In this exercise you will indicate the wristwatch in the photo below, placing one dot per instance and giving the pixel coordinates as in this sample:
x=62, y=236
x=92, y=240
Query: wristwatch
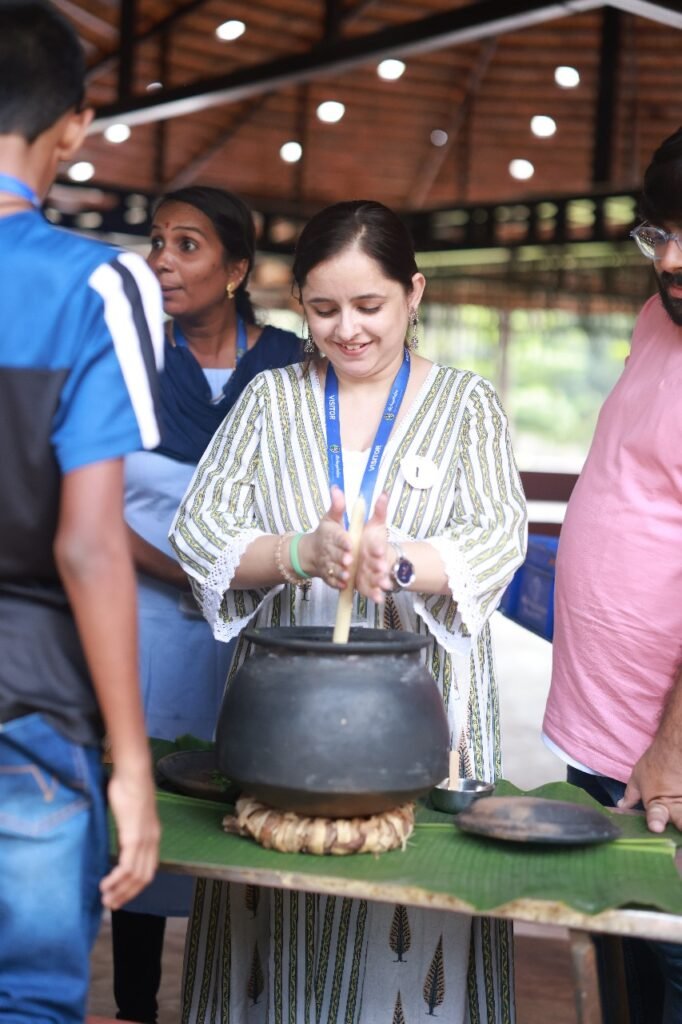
x=402, y=573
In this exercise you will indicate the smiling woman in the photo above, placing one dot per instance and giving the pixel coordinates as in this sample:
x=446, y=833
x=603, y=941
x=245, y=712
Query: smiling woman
x=202, y=249
x=261, y=534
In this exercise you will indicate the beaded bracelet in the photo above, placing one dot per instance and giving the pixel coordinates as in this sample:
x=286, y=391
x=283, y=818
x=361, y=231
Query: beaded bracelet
x=293, y=581
x=293, y=555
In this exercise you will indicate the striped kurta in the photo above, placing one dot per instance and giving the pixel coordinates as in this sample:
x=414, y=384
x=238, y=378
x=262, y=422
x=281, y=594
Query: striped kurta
x=256, y=956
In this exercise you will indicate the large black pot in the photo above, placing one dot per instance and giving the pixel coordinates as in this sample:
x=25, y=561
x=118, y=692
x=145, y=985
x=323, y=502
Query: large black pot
x=330, y=729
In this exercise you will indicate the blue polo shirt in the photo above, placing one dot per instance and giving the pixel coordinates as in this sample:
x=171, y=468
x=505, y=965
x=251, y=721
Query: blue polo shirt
x=80, y=344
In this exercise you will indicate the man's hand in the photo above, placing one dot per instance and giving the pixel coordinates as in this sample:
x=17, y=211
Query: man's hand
x=133, y=806
x=92, y=552
x=656, y=780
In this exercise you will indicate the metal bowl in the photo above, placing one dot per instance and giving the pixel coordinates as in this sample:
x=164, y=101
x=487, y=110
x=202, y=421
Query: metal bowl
x=452, y=801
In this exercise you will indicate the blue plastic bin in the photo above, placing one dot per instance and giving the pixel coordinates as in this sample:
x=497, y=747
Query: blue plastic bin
x=510, y=598
x=529, y=598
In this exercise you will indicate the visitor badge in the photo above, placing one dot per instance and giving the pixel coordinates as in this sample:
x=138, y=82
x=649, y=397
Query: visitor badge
x=419, y=472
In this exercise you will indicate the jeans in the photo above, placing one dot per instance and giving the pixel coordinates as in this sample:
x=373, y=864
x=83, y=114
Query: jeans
x=651, y=967
x=53, y=853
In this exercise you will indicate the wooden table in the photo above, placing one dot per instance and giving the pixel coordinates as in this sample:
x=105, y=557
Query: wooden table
x=193, y=844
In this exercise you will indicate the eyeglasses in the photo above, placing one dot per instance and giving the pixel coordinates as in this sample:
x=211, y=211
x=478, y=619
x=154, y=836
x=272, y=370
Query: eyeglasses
x=652, y=241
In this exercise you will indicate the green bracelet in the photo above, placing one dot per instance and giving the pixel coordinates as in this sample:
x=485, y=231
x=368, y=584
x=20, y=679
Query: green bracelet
x=293, y=555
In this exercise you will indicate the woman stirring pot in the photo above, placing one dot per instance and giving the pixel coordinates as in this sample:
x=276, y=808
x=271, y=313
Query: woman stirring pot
x=261, y=533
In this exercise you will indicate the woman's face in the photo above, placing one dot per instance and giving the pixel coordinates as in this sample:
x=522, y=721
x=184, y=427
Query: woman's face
x=189, y=260
x=358, y=317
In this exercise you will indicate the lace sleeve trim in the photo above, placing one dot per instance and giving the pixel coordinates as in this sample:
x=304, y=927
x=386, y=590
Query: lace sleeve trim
x=468, y=619
x=217, y=583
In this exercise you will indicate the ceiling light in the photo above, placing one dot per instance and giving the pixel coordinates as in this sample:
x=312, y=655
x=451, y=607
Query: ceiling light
x=137, y=199
x=331, y=111
x=522, y=170
x=89, y=219
x=291, y=152
x=566, y=77
x=117, y=133
x=135, y=215
x=542, y=126
x=230, y=30
x=152, y=86
x=81, y=171
x=390, y=69
x=438, y=137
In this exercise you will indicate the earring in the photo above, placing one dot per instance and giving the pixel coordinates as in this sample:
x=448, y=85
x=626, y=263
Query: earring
x=413, y=343
x=230, y=290
x=309, y=346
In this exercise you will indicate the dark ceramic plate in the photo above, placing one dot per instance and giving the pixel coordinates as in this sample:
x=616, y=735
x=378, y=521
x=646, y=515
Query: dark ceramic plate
x=196, y=773
x=527, y=819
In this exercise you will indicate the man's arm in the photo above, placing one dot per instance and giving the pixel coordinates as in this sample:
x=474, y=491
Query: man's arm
x=94, y=560
x=656, y=779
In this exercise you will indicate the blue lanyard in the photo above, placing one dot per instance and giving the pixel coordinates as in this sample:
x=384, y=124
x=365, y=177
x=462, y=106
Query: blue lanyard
x=333, y=421
x=241, y=337
x=8, y=183
x=241, y=340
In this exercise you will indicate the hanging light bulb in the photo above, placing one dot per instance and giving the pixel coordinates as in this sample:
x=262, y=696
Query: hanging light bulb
x=391, y=69
x=230, y=30
x=81, y=171
x=522, y=170
x=331, y=111
x=566, y=77
x=291, y=152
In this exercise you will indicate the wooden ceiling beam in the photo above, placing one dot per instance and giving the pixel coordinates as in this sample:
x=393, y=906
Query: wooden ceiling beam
x=92, y=22
x=603, y=150
x=464, y=24
x=110, y=60
x=335, y=17
x=126, y=53
x=160, y=129
x=352, y=12
x=429, y=173
x=193, y=167
x=667, y=12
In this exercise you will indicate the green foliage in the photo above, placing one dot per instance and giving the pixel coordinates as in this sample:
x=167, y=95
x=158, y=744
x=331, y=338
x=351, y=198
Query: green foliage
x=553, y=374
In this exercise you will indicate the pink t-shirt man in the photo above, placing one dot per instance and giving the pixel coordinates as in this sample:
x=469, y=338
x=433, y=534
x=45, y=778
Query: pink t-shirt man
x=618, y=597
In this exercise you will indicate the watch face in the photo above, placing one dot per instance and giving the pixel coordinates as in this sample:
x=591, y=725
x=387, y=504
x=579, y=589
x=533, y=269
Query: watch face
x=404, y=572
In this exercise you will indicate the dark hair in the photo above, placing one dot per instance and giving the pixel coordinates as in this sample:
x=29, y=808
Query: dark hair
x=42, y=68
x=661, y=198
x=233, y=222
x=376, y=230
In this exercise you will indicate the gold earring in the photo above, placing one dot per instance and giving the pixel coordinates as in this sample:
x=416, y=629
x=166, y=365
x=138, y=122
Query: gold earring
x=230, y=290
x=309, y=346
x=413, y=343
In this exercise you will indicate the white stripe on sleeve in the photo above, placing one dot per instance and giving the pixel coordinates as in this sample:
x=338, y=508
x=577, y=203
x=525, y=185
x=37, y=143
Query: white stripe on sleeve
x=150, y=293
x=118, y=314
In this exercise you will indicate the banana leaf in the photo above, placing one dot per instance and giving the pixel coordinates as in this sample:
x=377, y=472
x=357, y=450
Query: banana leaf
x=636, y=871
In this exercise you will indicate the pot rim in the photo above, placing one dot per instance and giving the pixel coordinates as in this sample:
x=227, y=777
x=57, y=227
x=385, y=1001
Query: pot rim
x=318, y=640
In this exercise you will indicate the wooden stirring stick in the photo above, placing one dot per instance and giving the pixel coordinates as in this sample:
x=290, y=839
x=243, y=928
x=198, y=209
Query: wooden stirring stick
x=345, y=605
x=453, y=770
